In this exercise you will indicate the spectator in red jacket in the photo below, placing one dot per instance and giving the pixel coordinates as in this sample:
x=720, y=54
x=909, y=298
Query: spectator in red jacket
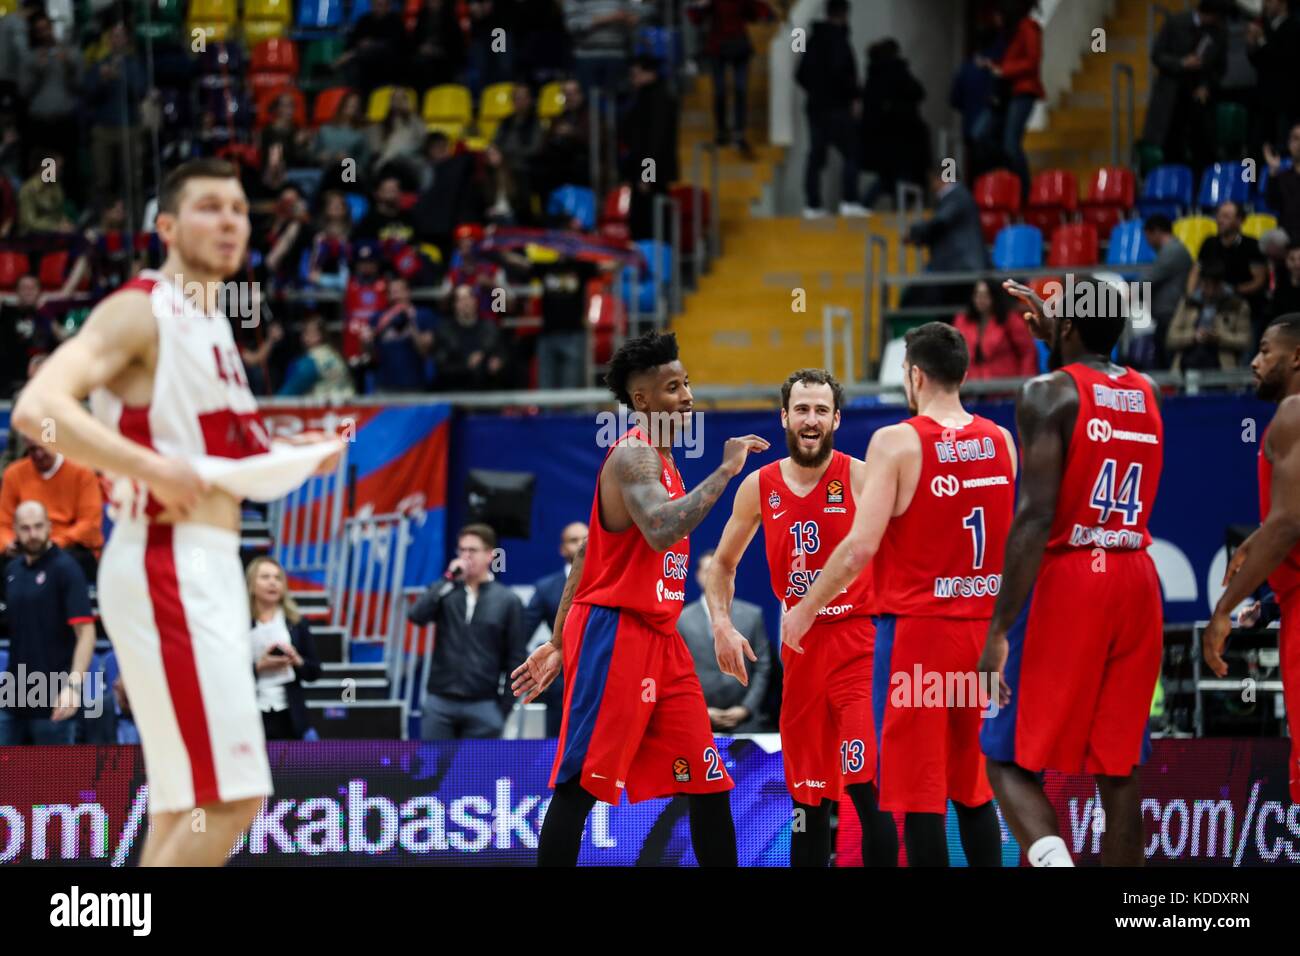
x=726, y=44
x=1000, y=345
x=1020, y=84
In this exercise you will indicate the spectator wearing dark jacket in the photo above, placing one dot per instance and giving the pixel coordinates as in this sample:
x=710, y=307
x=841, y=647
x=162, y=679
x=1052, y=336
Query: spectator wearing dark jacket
x=114, y=88
x=953, y=236
x=1190, y=54
x=49, y=81
x=437, y=45
x=1274, y=50
x=448, y=194
x=972, y=95
x=828, y=74
x=468, y=352
x=650, y=134
x=375, y=47
x=727, y=45
x=1284, y=184
x=1019, y=76
x=284, y=652
x=515, y=146
x=895, y=139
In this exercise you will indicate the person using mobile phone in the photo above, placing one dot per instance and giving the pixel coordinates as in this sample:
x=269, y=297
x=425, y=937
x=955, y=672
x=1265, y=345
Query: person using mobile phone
x=284, y=652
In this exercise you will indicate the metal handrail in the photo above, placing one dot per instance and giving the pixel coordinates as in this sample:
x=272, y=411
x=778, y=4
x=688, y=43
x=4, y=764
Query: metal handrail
x=1118, y=155
x=829, y=314
x=715, y=179
x=661, y=203
x=902, y=213
x=877, y=249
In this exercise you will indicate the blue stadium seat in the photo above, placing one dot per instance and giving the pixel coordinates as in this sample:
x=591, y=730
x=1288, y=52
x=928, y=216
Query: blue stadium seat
x=1220, y=183
x=659, y=256
x=1018, y=247
x=1128, y=245
x=574, y=202
x=319, y=14
x=1261, y=194
x=359, y=205
x=360, y=8
x=1166, y=190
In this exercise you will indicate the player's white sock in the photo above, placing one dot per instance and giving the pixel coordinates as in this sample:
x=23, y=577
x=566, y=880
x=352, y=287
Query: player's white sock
x=1049, y=851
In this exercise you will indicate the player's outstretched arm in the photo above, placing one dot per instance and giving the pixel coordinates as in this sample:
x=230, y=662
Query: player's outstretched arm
x=49, y=410
x=1044, y=406
x=543, y=665
x=875, y=493
x=664, y=521
x=1266, y=548
x=730, y=645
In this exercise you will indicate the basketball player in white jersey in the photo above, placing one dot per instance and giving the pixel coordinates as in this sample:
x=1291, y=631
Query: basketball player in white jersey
x=173, y=422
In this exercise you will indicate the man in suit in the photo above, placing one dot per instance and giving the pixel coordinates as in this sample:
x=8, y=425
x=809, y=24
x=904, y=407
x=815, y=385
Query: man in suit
x=733, y=709
x=1273, y=45
x=1190, y=55
x=541, y=611
x=954, y=238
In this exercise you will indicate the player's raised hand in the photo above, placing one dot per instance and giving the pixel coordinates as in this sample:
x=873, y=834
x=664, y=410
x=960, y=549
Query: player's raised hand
x=738, y=449
x=537, y=673
x=1213, y=640
x=794, y=625
x=731, y=649
x=993, y=660
x=176, y=485
x=1040, y=325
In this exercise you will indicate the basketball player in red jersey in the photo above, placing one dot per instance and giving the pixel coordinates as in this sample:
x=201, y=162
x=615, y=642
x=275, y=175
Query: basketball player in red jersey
x=933, y=512
x=1078, y=659
x=165, y=379
x=805, y=504
x=634, y=713
x=1273, y=551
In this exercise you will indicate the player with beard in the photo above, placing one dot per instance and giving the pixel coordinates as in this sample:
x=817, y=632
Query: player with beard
x=806, y=503
x=933, y=510
x=1078, y=658
x=1273, y=551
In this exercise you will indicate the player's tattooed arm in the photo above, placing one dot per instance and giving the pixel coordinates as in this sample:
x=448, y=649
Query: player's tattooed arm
x=566, y=599
x=664, y=521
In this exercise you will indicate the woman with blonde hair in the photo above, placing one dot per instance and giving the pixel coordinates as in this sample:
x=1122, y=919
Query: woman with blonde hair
x=283, y=650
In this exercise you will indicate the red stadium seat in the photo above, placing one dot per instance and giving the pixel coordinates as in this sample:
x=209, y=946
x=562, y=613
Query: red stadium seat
x=993, y=221
x=327, y=104
x=1112, y=194
x=266, y=99
x=1074, y=244
x=684, y=194
x=412, y=13
x=1053, y=195
x=13, y=266
x=274, y=55
x=614, y=215
x=998, y=191
x=53, y=270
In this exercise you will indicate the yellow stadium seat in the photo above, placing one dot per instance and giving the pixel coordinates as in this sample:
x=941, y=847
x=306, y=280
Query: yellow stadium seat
x=7, y=7
x=212, y=11
x=255, y=31
x=279, y=11
x=1191, y=231
x=496, y=103
x=550, y=103
x=453, y=131
x=381, y=101
x=1257, y=224
x=213, y=31
x=449, y=103
x=476, y=144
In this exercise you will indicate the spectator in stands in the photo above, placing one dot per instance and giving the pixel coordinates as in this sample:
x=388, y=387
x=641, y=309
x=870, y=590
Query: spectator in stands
x=403, y=340
x=342, y=146
x=449, y=194
x=375, y=47
x=27, y=331
x=515, y=146
x=479, y=270
x=469, y=354
x=733, y=707
x=51, y=633
x=480, y=627
x=11, y=147
x=71, y=498
x=895, y=139
x=541, y=611
x=828, y=75
x=1284, y=184
x=320, y=372
x=727, y=45
x=603, y=32
x=386, y=219
x=491, y=57
x=1286, y=293
x=262, y=349
x=366, y=294
x=999, y=343
x=283, y=130
x=14, y=46
x=284, y=652
x=1274, y=44
x=562, y=346
x=650, y=135
x=564, y=158
x=397, y=141
x=287, y=237
x=437, y=45
x=1168, y=277
x=973, y=95
x=327, y=267
x=1020, y=83
x=114, y=89
x=953, y=236
x=1245, y=268
x=1190, y=55
x=1211, y=329
x=544, y=49
x=42, y=205
x=49, y=81
x=1273, y=243
x=105, y=261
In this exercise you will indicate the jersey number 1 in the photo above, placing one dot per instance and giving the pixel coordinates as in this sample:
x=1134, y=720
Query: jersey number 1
x=974, y=523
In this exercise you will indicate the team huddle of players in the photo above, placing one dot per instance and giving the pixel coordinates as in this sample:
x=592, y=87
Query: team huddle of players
x=940, y=643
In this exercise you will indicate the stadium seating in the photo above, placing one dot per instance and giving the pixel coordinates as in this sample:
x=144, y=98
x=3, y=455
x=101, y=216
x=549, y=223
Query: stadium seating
x=358, y=205
x=495, y=104
x=327, y=104
x=1128, y=245
x=319, y=15
x=215, y=18
x=550, y=102
x=614, y=214
x=1053, y=195
x=273, y=62
x=1222, y=182
x=159, y=19
x=685, y=196
x=1073, y=244
x=1166, y=190
x=359, y=9
x=1258, y=223
x=1018, y=247
x=997, y=194
x=1149, y=157
x=1191, y=231
x=659, y=258
x=1112, y=191
x=381, y=101
x=1232, y=128
x=13, y=266
x=574, y=202
x=449, y=109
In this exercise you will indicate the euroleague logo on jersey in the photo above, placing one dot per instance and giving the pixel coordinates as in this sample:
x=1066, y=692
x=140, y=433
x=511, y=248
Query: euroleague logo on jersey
x=944, y=485
x=1099, y=430
x=834, y=492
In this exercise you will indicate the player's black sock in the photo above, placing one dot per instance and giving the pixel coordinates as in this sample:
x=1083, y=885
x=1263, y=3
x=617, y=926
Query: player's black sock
x=713, y=832
x=925, y=839
x=879, y=832
x=981, y=837
x=561, y=836
x=810, y=835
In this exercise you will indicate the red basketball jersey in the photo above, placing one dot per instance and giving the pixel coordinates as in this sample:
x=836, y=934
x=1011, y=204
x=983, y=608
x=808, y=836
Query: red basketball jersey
x=1286, y=576
x=942, y=557
x=802, y=532
x=1112, y=467
x=622, y=571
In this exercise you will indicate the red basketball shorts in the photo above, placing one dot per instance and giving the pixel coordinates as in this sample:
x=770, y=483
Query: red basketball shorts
x=1289, y=646
x=634, y=713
